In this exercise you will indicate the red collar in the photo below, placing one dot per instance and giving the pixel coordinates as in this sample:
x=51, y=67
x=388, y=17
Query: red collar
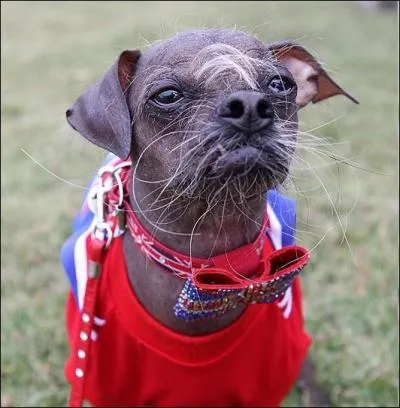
x=244, y=260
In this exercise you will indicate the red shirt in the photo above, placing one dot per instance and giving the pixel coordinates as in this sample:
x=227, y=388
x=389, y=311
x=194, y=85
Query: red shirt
x=136, y=361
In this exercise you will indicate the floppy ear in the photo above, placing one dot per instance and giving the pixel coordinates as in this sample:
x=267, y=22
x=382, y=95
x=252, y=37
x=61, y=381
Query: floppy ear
x=313, y=83
x=101, y=113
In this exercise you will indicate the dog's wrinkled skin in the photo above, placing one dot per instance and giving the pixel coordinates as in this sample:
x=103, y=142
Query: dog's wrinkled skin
x=199, y=180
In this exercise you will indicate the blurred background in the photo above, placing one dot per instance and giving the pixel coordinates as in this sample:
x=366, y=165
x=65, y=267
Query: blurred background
x=345, y=181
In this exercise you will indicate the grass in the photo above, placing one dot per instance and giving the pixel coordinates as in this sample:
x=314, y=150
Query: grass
x=51, y=51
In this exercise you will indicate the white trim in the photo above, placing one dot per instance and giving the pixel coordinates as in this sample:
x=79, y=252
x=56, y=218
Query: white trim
x=99, y=322
x=93, y=335
x=286, y=303
x=275, y=233
x=80, y=260
x=275, y=230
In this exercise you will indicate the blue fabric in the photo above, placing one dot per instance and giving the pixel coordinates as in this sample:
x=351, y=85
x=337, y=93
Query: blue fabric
x=285, y=210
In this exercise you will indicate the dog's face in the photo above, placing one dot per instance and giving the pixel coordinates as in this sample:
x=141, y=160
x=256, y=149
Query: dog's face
x=205, y=113
x=213, y=109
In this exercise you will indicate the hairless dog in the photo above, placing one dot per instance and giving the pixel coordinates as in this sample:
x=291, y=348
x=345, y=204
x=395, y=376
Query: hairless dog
x=201, y=129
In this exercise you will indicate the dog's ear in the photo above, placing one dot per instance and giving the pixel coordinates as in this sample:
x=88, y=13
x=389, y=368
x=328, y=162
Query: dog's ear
x=101, y=113
x=313, y=83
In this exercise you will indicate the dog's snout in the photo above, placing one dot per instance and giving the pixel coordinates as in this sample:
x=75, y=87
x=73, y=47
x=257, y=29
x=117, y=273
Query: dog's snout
x=246, y=110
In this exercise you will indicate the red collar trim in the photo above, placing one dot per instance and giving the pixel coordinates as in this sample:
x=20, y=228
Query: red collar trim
x=243, y=260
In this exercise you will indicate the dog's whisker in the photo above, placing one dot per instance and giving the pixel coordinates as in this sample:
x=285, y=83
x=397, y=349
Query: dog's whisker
x=133, y=188
x=334, y=209
x=68, y=182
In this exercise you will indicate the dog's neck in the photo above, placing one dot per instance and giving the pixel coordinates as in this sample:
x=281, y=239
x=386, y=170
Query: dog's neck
x=193, y=228
x=219, y=230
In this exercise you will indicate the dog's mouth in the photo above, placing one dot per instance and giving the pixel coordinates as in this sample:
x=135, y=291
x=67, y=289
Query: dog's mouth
x=244, y=166
x=237, y=161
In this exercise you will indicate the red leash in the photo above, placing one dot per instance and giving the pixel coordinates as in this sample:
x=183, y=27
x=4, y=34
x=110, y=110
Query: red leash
x=83, y=341
x=99, y=240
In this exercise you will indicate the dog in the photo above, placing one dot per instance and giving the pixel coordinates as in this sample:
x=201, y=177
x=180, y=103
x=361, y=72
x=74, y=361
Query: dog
x=182, y=262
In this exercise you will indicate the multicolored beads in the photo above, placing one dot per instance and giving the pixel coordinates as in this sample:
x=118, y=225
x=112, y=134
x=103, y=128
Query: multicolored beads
x=196, y=304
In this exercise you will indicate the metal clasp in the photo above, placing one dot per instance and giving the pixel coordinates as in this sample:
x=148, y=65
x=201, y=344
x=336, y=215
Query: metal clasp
x=102, y=229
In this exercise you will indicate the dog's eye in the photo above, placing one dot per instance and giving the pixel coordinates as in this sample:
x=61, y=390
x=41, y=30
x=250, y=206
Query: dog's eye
x=167, y=97
x=281, y=85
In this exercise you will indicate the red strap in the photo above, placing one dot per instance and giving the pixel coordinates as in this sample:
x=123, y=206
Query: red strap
x=83, y=336
x=274, y=265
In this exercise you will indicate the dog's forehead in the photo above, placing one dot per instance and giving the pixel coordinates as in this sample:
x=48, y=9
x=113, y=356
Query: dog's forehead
x=183, y=47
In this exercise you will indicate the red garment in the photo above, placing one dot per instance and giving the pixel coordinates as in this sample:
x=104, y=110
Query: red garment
x=136, y=361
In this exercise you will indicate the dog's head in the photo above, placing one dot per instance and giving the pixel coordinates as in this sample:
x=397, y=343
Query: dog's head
x=205, y=111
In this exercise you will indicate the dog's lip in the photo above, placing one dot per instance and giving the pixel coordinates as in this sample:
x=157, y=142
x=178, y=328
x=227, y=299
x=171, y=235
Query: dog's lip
x=238, y=152
x=236, y=160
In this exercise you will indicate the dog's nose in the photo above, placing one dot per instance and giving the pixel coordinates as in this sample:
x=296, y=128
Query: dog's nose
x=248, y=111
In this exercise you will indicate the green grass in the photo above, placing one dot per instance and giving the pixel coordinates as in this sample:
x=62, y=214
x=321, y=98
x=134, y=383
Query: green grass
x=51, y=51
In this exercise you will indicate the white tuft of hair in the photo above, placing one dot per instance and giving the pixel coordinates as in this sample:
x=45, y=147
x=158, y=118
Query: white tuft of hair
x=216, y=61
